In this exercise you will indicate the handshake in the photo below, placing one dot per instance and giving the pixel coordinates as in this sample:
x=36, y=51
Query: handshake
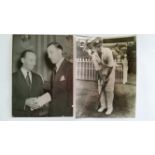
x=38, y=102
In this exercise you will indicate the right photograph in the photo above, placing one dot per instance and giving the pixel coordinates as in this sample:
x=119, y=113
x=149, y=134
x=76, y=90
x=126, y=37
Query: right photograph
x=105, y=76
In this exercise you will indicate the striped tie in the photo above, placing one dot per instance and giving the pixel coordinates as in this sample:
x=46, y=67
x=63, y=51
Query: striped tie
x=28, y=80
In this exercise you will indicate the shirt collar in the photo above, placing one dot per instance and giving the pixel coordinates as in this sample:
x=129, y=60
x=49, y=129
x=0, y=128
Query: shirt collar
x=59, y=63
x=24, y=71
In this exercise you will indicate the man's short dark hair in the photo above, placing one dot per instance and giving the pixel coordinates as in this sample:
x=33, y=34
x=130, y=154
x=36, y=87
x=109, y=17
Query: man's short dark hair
x=25, y=52
x=56, y=44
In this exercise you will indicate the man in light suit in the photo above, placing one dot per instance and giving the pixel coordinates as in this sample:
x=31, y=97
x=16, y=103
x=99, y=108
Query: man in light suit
x=107, y=80
x=26, y=86
x=61, y=82
x=104, y=64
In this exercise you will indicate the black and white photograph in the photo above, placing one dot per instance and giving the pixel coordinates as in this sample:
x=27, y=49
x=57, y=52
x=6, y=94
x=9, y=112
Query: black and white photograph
x=42, y=75
x=105, y=76
x=77, y=77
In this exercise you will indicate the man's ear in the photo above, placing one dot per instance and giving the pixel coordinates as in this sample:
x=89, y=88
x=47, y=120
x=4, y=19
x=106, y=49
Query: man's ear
x=22, y=60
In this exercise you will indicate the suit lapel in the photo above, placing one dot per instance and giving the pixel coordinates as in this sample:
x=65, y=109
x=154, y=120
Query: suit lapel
x=23, y=78
x=23, y=81
x=60, y=71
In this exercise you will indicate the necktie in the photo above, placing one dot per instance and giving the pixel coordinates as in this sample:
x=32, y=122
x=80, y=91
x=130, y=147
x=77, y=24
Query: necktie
x=54, y=72
x=28, y=80
x=53, y=78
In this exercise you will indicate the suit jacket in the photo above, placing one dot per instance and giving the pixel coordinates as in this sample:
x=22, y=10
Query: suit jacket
x=21, y=91
x=62, y=90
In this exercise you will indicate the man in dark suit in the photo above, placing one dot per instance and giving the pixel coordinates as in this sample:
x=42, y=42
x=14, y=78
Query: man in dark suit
x=61, y=82
x=26, y=86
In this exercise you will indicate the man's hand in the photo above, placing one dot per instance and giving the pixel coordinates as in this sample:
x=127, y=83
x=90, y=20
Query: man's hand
x=32, y=103
x=35, y=103
x=44, y=99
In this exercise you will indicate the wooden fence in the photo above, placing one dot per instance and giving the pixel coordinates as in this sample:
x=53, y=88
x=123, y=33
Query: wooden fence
x=85, y=70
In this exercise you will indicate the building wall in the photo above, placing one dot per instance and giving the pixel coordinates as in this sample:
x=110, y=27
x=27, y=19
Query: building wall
x=38, y=43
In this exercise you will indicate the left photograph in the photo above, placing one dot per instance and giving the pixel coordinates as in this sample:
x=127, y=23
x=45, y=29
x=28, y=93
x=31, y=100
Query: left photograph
x=42, y=75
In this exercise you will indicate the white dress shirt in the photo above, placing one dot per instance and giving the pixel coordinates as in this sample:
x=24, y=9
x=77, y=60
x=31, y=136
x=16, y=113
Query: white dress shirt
x=24, y=71
x=59, y=64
